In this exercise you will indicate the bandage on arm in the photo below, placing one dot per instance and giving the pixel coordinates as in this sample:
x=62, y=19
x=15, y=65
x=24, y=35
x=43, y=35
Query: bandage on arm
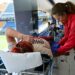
x=10, y=46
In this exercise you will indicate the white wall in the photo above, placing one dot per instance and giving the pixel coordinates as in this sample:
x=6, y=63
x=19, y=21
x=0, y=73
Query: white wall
x=56, y=1
x=72, y=1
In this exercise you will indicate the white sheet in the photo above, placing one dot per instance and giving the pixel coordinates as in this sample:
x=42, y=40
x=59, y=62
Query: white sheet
x=16, y=62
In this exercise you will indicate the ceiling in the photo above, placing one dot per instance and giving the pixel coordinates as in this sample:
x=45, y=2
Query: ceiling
x=27, y=5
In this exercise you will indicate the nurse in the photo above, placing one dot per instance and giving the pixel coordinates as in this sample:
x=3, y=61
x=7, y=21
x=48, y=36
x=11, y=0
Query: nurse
x=65, y=13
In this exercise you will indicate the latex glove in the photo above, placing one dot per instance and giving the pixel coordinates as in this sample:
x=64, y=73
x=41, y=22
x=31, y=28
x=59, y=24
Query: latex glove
x=54, y=47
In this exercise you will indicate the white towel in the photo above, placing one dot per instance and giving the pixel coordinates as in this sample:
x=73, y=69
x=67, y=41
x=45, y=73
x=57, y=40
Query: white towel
x=16, y=62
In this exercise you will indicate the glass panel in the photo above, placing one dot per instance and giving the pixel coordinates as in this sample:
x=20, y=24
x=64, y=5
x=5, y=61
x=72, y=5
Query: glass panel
x=42, y=21
x=7, y=19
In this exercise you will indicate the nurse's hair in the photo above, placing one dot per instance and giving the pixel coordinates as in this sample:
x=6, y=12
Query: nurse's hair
x=63, y=8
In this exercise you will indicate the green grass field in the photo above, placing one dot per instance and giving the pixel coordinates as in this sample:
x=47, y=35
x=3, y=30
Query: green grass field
x=3, y=43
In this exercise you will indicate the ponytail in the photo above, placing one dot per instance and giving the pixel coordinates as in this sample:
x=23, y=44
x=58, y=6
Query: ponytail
x=63, y=8
x=70, y=7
